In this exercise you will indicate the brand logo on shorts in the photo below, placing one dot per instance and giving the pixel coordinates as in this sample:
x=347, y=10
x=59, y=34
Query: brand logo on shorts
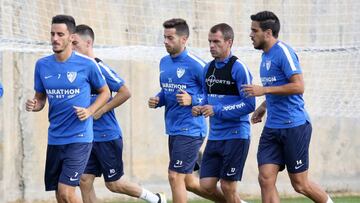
x=299, y=164
x=112, y=173
x=178, y=164
x=180, y=72
x=232, y=172
x=75, y=177
x=71, y=76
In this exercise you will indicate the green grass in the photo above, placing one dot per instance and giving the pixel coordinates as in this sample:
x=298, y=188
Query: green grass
x=345, y=199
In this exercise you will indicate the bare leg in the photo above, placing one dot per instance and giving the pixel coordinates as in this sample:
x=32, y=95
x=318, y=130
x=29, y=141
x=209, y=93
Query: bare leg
x=193, y=185
x=66, y=194
x=87, y=188
x=267, y=179
x=178, y=188
x=124, y=187
x=302, y=185
x=229, y=189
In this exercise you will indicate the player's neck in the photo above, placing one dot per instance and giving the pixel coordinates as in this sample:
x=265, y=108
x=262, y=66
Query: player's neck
x=270, y=44
x=64, y=55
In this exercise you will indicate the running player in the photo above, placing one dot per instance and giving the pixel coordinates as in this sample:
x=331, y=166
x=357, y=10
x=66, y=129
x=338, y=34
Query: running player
x=106, y=154
x=228, y=108
x=286, y=136
x=181, y=76
x=65, y=79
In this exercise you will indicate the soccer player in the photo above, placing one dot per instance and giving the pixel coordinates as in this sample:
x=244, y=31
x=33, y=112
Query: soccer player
x=181, y=76
x=286, y=136
x=66, y=78
x=228, y=108
x=106, y=154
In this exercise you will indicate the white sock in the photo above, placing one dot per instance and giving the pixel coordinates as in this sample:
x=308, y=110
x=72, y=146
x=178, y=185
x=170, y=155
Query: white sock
x=242, y=201
x=149, y=196
x=329, y=200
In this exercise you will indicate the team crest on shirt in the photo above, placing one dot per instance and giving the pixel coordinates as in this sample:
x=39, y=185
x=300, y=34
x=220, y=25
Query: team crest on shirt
x=180, y=72
x=71, y=76
x=268, y=64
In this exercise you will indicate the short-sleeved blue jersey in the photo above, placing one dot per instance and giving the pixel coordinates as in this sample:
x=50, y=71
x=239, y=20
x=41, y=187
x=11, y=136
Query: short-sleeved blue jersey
x=68, y=84
x=231, y=112
x=106, y=128
x=276, y=68
x=182, y=72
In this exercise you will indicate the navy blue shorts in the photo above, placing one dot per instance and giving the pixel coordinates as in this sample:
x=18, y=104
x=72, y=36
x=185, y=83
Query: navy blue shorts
x=286, y=147
x=106, y=159
x=183, y=153
x=224, y=159
x=65, y=164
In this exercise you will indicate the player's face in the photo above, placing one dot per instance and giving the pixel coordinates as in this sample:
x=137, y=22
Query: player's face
x=219, y=47
x=257, y=35
x=60, y=37
x=174, y=43
x=80, y=45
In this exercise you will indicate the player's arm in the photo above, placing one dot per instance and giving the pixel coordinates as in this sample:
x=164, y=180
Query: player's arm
x=37, y=103
x=295, y=86
x=101, y=99
x=122, y=95
x=259, y=113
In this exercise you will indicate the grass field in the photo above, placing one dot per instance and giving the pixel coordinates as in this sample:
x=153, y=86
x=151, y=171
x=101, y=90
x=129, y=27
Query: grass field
x=346, y=199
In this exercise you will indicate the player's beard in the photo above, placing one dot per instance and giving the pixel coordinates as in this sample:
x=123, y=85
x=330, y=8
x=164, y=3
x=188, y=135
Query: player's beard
x=58, y=51
x=260, y=45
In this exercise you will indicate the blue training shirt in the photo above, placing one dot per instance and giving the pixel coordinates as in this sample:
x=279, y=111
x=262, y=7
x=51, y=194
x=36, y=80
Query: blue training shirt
x=182, y=72
x=68, y=84
x=276, y=68
x=106, y=128
x=231, y=112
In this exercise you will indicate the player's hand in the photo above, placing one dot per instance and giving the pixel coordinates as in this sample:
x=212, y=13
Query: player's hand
x=98, y=113
x=153, y=102
x=183, y=98
x=258, y=114
x=82, y=113
x=196, y=110
x=207, y=111
x=30, y=104
x=253, y=90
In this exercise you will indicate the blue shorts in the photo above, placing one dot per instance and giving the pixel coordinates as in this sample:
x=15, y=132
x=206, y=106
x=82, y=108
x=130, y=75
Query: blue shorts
x=224, y=159
x=183, y=153
x=286, y=147
x=65, y=164
x=106, y=159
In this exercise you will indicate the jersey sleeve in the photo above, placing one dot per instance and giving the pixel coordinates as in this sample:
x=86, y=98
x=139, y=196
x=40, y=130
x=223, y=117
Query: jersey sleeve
x=244, y=105
x=113, y=80
x=289, y=61
x=38, y=85
x=96, y=78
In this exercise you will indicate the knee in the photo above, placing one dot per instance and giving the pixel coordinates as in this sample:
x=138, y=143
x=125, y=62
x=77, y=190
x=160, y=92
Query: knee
x=208, y=188
x=300, y=187
x=63, y=196
x=266, y=181
x=226, y=186
x=114, y=186
x=172, y=176
x=191, y=186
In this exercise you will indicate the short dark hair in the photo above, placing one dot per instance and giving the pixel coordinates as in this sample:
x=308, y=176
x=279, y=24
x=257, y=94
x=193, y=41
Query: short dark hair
x=85, y=30
x=225, y=29
x=267, y=20
x=66, y=19
x=180, y=25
